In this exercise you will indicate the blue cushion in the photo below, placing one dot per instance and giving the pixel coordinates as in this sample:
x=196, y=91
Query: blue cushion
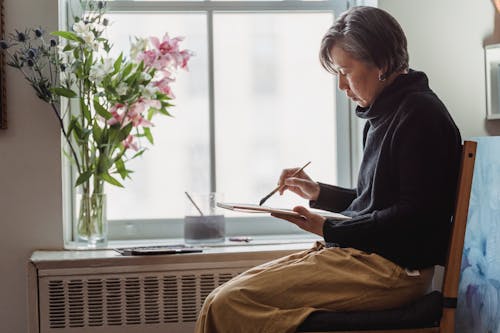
x=426, y=312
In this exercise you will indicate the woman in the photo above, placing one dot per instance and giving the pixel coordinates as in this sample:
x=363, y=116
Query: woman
x=401, y=209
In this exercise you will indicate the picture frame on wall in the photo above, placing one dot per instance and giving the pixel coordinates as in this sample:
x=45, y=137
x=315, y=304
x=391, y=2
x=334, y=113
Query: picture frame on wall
x=3, y=104
x=492, y=69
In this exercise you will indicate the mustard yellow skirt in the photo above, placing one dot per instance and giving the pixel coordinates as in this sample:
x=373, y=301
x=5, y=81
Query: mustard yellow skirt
x=277, y=296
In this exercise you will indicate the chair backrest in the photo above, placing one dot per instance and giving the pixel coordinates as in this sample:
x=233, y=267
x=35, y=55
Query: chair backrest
x=454, y=261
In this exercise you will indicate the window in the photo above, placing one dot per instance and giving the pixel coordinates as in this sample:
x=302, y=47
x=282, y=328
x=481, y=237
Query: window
x=254, y=101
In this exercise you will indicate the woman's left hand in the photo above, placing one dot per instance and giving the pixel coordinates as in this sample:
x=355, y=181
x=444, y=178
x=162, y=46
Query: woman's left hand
x=309, y=221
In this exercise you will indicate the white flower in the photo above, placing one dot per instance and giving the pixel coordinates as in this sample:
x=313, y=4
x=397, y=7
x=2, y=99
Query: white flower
x=97, y=27
x=81, y=28
x=88, y=37
x=137, y=46
x=149, y=91
x=122, y=88
x=101, y=69
x=145, y=76
x=65, y=57
x=86, y=31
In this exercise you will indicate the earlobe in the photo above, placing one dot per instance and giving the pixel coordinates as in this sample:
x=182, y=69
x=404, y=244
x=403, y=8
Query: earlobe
x=382, y=77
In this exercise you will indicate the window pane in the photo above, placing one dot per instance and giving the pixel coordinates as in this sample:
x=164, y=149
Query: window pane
x=179, y=159
x=275, y=105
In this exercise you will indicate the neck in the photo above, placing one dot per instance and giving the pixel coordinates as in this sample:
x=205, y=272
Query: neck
x=393, y=77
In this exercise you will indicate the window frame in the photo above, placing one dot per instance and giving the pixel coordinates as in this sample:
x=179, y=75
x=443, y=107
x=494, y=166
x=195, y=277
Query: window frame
x=346, y=124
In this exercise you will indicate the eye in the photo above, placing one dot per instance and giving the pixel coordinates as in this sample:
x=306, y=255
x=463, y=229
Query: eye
x=338, y=71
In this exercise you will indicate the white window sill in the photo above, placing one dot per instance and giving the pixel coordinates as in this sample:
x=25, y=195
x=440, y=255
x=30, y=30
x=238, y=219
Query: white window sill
x=259, y=240
x=260, y=249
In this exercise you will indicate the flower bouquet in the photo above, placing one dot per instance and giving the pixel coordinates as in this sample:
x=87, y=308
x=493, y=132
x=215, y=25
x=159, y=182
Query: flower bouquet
x=105, y=106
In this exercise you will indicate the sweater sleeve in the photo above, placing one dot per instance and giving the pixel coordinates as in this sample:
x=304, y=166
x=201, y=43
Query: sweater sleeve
x=333, y=198
x=423, y=152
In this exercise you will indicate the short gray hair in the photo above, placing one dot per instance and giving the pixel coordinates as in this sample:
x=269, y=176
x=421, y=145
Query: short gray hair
x=370, y=35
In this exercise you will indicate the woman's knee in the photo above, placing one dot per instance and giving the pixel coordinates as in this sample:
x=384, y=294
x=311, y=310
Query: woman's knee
x=224, y=298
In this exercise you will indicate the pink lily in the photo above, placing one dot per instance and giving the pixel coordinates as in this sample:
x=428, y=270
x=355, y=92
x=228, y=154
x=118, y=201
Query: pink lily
x=149, y=57
x=167, y=45
x=164, y=86
x=129, y=143
x=185, y=55
x=117, y=112
x=134, y=114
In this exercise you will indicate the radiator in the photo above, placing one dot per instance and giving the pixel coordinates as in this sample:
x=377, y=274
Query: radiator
x=128, y=294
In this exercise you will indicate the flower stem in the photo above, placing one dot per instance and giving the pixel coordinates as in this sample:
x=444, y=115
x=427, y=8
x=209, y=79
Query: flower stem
x=68, y=140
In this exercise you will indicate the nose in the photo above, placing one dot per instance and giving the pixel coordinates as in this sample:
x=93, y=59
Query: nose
x=342, y=82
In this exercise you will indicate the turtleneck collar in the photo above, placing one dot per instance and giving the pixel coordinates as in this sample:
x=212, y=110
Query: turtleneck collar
x=385, y=103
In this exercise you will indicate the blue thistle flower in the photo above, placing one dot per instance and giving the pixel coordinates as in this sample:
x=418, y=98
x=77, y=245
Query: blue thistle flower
x=31, y=53
x=21, y=37
x=38, y=32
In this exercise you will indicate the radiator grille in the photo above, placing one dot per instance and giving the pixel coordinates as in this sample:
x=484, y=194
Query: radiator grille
x=95, y=302
x=57, y=304
x=151, y=300
x=170, y=300
x=126, y=299
x=75, y=303
x=113, y=301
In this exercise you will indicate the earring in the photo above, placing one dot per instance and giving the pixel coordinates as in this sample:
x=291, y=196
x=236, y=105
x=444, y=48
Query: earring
x=381, y=77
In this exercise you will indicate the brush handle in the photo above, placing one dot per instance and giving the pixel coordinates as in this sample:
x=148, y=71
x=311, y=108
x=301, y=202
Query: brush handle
x=279, y=186
x=194, y=204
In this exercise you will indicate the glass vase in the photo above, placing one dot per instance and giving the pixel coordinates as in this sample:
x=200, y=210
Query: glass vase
x=91, y=220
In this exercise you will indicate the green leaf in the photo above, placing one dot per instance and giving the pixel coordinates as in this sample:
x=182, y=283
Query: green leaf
x=72, y=124
x=139, y=153
x=140, y=68
x=107, y=46
x=133, y=78
x=89, y=61
x=126, y=71
x=108, y=178
x=76, y=54
x=85, y=110
x=64, y=92
x=118, y=63
x=164, y=111
x=120, y=168
x=67, y=48
x=149, y=136
x=96, y=132
x=86, y=134
x=101, y=110
x=103, y=164
x=67, y=35
x=124, y=132
x=78, y=131
x=83, y=178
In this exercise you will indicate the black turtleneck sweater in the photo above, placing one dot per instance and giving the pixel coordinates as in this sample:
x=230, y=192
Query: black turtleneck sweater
x=402, y=206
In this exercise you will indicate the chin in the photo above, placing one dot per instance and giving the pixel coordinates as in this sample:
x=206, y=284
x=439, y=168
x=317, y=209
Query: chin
x=362, y=104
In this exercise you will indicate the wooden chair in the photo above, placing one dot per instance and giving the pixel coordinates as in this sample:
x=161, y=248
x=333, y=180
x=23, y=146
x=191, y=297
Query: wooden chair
x=433, y=313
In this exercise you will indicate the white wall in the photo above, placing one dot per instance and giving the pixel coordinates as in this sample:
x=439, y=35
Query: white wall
x=30, y=167
x=446, y=40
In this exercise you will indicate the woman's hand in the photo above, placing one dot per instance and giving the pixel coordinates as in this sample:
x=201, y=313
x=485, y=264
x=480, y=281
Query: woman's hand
x=300, y=184
x=308, y=221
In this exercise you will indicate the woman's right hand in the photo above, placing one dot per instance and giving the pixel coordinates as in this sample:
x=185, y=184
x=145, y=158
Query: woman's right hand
x=300, y=184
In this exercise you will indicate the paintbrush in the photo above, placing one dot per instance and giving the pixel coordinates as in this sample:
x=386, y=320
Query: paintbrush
x=264, y=199
x=194, y=204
